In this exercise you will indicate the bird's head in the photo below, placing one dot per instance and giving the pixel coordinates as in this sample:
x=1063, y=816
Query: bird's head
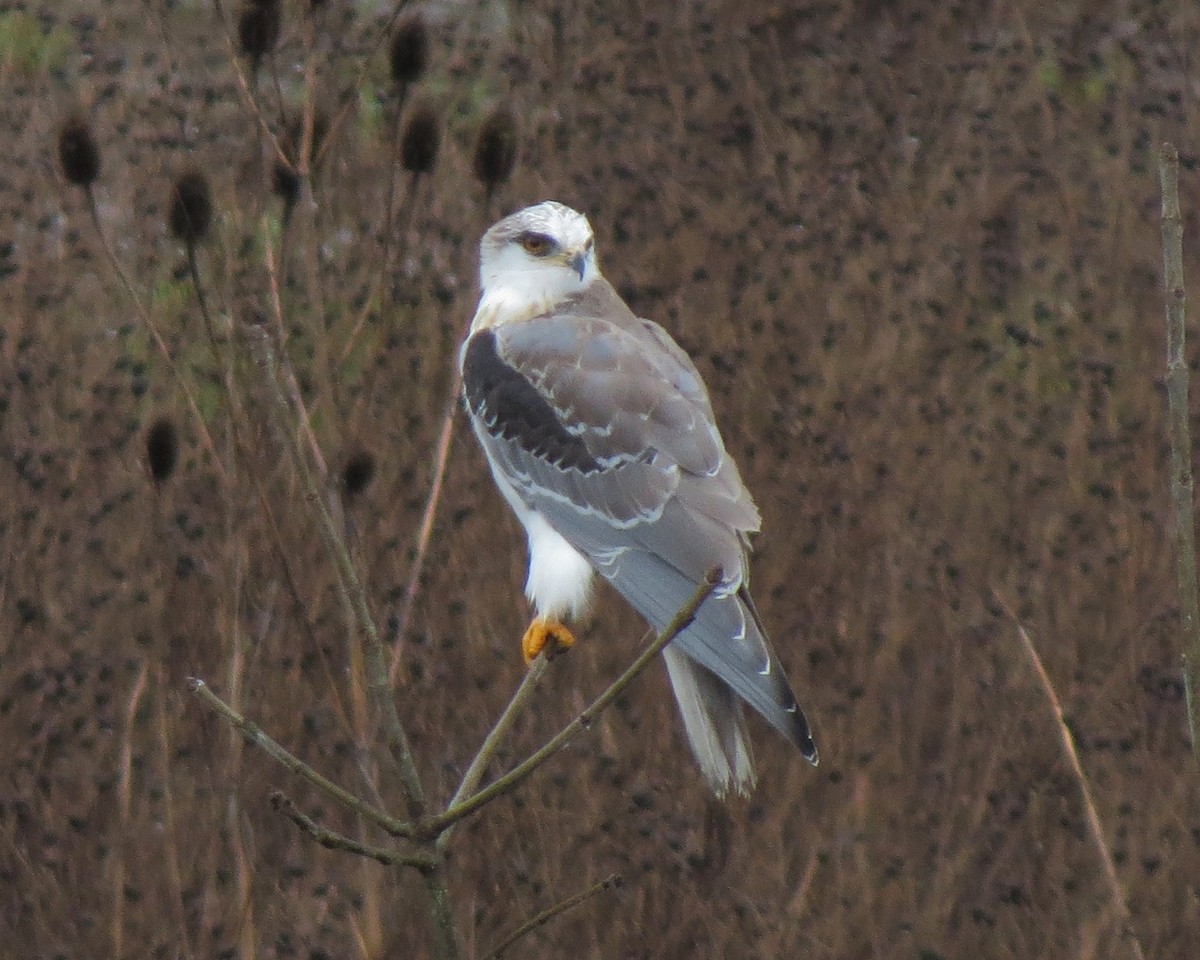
x=536, y=258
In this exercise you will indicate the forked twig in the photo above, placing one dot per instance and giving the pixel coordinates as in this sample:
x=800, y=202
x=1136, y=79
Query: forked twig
x=478, y=766
x=253, y=734
x=436, y=824
x=332, y=840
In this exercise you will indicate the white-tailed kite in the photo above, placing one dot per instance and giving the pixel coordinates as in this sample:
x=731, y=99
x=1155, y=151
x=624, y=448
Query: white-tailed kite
x=600, y=435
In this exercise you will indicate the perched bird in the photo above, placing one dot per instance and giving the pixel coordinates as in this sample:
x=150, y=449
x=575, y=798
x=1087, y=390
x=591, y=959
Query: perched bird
x=600, y=435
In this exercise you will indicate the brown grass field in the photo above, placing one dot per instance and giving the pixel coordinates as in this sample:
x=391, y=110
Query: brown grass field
x=914, y=248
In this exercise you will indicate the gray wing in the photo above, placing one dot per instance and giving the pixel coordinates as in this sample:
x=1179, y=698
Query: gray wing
x=605, y=428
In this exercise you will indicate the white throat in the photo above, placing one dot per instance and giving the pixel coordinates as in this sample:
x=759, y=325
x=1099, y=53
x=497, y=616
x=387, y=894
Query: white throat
x=517, y=287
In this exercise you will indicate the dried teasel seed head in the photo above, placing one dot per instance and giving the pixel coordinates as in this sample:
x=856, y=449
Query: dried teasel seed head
x=420, y=140
x=258, y=28
x=357, y=474
x=191, y=210
x=495, y=149
x=78, y=152
x=410, y=50
x=162, y=449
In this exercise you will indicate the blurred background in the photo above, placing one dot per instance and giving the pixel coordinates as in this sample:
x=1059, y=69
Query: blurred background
x=915, y=250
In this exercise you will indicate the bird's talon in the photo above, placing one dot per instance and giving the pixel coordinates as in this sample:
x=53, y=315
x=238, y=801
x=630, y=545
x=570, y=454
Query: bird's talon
x=549, y=635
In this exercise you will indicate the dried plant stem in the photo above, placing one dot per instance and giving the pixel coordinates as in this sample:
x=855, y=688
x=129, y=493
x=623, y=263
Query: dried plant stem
x=350, y=97
x=608, y=883
x=435, y=825
x=332, y=840
x=389, y=202
x=1180, y=433
x=254, y=735
x=224, y=371
x=441, y=458
x=202, y=301
x=293, y=385
x=247, y=91
x=170, y=822
x=381, y=284
x=124, y=808
x=350, y=589
x=233, y=407
x=152, y=329
x=1116, y=890
x=243, y=858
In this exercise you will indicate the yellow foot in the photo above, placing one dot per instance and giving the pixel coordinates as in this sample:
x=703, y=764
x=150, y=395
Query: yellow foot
x=542, y=632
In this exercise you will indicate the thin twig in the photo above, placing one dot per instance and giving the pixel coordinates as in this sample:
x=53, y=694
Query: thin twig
x=435, y=825
x=254, y=735
x=202, y=302
x=1116, y=891
x=1180, y=433
x=297, y=397
x=478, y=766
x=612, y=881
x=332, y=840
x=229, y=394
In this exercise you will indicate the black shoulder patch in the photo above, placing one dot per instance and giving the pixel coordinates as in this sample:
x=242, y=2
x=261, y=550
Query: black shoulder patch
x=510, y=407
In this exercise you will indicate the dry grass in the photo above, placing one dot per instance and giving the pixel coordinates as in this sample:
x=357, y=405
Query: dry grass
x=916, y=254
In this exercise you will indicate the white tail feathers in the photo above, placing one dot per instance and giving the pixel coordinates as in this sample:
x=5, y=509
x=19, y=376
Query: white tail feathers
x=715, y=724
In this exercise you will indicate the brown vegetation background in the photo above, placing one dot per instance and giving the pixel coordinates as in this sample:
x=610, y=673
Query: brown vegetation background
x=914, y=248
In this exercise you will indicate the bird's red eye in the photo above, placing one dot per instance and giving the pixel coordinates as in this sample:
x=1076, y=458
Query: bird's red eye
x=537, y=244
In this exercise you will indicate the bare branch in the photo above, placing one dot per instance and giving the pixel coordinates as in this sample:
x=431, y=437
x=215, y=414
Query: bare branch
x=435, y=825
x=332, y=840
x=254, y=735
x=349, y=587
x=353, y=596
x=487, y=750
x=611, y=882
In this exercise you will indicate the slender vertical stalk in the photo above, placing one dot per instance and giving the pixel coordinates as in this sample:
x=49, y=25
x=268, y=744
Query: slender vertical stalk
x=1180, y=433
x=1091, y=814
x=440, y=459
x=353, y=596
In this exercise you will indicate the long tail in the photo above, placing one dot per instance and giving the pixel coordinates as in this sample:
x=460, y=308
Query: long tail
x=715, y=724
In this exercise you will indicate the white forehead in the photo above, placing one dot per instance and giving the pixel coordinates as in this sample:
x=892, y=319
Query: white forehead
x=558, y=221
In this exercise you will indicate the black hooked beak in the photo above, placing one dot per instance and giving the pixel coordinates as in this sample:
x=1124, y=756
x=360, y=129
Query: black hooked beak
x=578, y=263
